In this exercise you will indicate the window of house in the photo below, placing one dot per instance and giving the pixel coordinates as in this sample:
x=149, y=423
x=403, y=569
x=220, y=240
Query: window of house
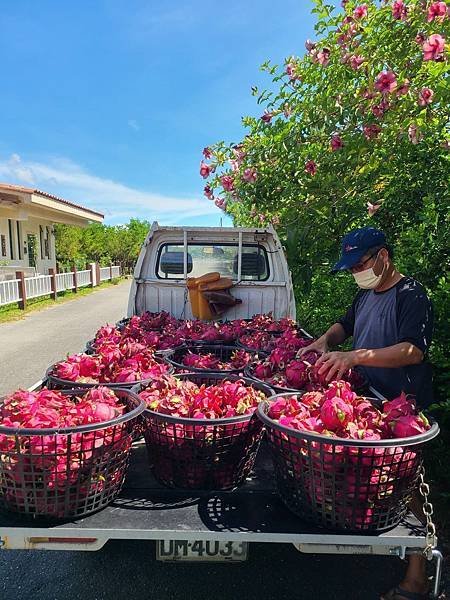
x=207, y=258
x=3, y=244
x=47, y=242
x=19, y=240
x=12, y=254
x=41, y=241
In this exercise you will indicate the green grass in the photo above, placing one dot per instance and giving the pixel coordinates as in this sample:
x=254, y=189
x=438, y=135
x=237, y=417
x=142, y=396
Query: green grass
x=12, y=313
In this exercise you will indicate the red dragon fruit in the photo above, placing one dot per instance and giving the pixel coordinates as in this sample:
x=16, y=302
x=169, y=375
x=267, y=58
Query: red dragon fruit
x=409, y=425
x=296, y=374
x=336, y=413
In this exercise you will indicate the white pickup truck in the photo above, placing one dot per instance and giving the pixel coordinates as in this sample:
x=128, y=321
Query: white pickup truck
x=209, y=525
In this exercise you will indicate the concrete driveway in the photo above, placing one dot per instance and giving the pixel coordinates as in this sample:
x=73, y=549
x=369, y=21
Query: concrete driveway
x=127, y=569
x=29, y=346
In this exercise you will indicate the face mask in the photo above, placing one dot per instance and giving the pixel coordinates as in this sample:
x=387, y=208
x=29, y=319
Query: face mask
x=367, y=280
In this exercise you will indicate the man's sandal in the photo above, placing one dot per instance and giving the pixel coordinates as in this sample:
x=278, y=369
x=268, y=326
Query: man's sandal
x=398, y=593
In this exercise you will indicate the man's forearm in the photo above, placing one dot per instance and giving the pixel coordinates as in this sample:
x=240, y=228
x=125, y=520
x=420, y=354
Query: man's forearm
x=335, y=335
x=398, y=355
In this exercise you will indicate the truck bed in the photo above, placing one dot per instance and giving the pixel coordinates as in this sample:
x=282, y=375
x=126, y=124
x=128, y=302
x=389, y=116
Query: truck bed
x=253, y=513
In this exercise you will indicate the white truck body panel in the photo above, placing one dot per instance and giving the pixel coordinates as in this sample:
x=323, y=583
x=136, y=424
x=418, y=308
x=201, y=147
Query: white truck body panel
x=152, y=292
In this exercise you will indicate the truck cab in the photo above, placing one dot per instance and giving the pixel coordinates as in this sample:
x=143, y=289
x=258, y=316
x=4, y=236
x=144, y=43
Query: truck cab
x=253, y=259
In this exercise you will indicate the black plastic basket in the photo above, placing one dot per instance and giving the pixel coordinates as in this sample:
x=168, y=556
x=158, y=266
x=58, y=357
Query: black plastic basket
x=122, y=323
x=56, y=383
x=222, y=352
x=342, y=484
x=203, y=453
x=69, y=472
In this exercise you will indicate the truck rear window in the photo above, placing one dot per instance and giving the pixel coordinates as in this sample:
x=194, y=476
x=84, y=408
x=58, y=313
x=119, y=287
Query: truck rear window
x=207, y=258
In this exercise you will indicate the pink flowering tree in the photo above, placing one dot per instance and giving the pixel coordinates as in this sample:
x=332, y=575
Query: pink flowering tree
x=352, y=130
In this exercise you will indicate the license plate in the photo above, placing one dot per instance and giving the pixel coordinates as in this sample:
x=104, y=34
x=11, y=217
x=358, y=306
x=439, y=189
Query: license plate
x=201, y=550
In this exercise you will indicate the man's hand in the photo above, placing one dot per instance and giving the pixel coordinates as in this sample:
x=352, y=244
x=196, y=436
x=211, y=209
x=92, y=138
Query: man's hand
x=335, y=364
x=319, y=345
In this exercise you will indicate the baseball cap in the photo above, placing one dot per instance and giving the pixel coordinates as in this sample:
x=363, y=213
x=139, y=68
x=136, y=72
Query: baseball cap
x=355, y=244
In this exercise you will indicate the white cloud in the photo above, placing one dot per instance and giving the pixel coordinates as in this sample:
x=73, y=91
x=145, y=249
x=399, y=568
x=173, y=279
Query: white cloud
x=116, y=200
x=134, y=124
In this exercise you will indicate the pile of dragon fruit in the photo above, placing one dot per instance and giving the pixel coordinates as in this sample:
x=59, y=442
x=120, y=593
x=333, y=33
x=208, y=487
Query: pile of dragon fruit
x=347, y=486
x=337, y=411
x=283, y=370
x=209, y=361
x=161, y=331
x=125, y=363
x=266, y=342
x=182, y=398
x=40, y=472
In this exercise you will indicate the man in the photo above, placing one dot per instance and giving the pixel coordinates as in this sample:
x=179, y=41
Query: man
x=391, y=322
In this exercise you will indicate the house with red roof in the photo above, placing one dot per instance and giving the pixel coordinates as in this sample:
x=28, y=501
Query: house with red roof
x=27, y=216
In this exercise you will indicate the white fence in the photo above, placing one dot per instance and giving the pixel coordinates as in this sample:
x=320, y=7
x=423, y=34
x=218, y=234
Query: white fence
x=38, y=286
x=64, y=281
x=14, y=290
x=9, y=292
x=83, y=278
x=105, y=273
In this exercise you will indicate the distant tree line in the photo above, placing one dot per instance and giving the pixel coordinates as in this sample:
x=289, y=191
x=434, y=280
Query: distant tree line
x=105, y=244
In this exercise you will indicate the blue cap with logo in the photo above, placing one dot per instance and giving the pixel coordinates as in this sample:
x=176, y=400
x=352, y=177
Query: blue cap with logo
x=356, y=244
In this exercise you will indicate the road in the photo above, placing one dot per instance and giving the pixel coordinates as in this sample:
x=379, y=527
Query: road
x=127, y=569
x=34, y=343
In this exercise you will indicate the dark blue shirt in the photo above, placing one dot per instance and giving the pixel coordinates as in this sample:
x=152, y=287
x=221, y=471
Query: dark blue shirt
x=403, y=313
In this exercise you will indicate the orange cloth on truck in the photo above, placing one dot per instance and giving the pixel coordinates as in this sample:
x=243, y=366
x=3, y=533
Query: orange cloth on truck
x=210, y=282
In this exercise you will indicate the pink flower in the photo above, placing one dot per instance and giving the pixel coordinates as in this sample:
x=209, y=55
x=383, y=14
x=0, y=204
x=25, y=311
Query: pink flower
x=372, y=208
x=208, y=192
x=205, y=170
x=368, y=94
x=385, y=82
x=399, y=10
x=378, y=110
x=433, y=47
x=414, y=134
x=239, y=152
x=291, y=69
x=250, y=175
x=438, y=10
x=371, y=131
x=267, y=116
x=425, y=96
x=261, y=218
x=336, y=142
x=235, y=164
x=356, y=61
x=420, y=38
x=309, y=45
x=311, y=167
x=360, y=12
x=403, y=88
x=323, y=57
x=227, y=182
x=220, y=203
x=207, y=153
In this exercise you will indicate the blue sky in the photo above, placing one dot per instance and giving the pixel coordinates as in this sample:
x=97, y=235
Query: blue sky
x=109, y=103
